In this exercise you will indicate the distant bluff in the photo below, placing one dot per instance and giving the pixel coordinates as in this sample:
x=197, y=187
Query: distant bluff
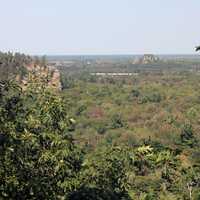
x=48, y=75
x=146, y=59
x=26, y=69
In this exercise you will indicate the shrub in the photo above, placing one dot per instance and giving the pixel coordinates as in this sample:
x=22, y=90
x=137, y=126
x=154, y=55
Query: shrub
x=101, y=128
x=116, y=121
x=135, y=93
x=67, y=82
x=80, y=110
x=187, y=135
x=151, y=97
x=154, y=97
x=106, y=169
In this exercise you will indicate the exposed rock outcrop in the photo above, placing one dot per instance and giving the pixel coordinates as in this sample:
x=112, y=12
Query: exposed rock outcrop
x=147, y=59
x=47, y=75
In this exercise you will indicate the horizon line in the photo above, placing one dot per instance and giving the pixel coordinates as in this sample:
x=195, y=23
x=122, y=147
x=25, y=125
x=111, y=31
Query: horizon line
x=116, y=54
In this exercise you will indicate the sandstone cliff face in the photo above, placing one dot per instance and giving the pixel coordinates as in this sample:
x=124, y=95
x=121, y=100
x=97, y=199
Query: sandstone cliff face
x=47, y=75
x=55, y=79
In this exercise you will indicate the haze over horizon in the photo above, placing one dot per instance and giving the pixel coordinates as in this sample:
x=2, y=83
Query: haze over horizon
x=78, y=27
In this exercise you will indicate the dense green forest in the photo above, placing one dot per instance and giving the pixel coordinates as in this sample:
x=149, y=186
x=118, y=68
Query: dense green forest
x=100, y=138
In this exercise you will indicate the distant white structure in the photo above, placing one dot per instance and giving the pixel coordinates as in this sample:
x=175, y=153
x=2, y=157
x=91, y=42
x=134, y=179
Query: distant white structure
x=147, y=59
x=114, y=74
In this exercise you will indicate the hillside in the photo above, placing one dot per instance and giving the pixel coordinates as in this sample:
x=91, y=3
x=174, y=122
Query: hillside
x=100, y=137
x=19, y=67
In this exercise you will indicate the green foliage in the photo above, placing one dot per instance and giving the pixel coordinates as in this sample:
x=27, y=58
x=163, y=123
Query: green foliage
x=135, y=93
x=187, y=135
x=94, y=193
x=143, y=161
x=116, y=121
x=107, y=169
x=99, y=138
x=151, y=97
x=13, y=64
x=101, y=128
x=80, y=109
x=67, y=82
x=154, y=97
x=38, y=157
x=149, y=196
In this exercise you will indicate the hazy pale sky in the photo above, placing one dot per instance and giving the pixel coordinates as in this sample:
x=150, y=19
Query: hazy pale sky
x=100, y=26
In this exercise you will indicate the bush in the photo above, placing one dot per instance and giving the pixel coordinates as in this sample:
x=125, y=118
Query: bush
x=116, y=121
x=187, y=135
x=80, y=110
x=67, y=82
x=154, y=97
x=106, y=169
x=101, y=128
x=135, y=93
x=92, y=193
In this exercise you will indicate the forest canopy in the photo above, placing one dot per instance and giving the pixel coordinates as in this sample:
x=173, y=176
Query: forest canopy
x=99, y=138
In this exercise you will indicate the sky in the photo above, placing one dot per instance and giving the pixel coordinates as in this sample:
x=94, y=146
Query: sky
x=70, y=27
